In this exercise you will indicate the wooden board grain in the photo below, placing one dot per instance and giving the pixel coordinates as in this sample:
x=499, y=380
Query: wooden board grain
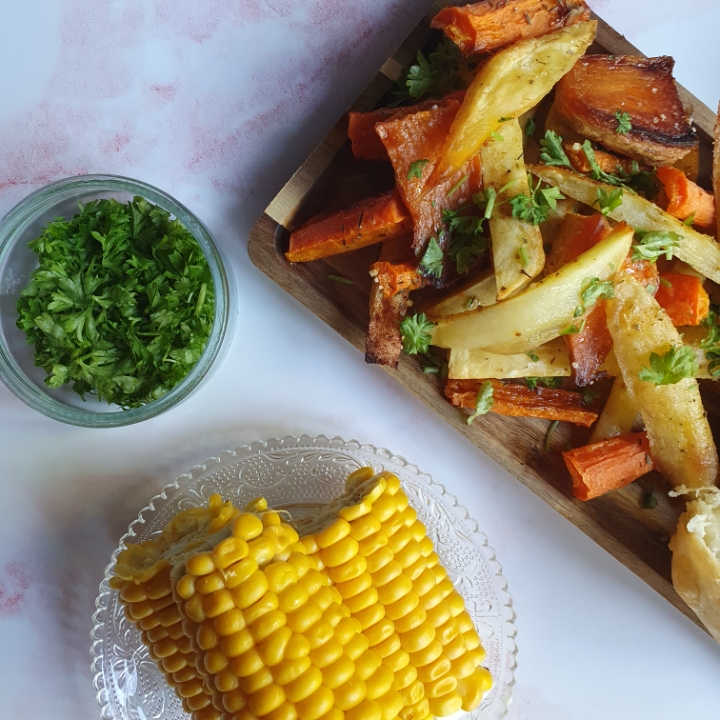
x=330, y=179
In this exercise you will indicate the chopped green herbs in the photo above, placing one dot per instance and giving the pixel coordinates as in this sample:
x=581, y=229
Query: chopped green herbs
x=523, y=256
x=496, y=136
x=531, y=354
x=457, y=186
x=536, y=207
x=589, y=396
x=670, y=368
x=689, y=220
x=432, y=260
x=650, y=501
x=122, y=303
x=340, y=279
x=552, y=152
x=484, y=401
x=416, y=167
x=549, y=434
x=529, y=128
x=711, y=343
x=624, y=125
x=591, y=291
x=609, y=201
x=651, y=244
x=467, y=243
x=504, y=119
x=436, y=362
x=416, y=331
x=548, y=382
x=574, y=329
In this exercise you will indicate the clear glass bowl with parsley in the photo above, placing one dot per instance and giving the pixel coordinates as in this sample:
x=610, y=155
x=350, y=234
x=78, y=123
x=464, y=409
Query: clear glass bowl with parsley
x=114, y=301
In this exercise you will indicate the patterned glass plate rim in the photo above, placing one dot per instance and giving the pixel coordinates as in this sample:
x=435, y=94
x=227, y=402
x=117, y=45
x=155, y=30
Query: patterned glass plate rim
x=298, y=472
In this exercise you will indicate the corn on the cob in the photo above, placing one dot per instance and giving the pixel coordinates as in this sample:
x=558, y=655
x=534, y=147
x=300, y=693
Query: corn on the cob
x=351, y=619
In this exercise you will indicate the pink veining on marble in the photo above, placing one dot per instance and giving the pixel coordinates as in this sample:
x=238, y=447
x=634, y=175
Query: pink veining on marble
x=14, y=582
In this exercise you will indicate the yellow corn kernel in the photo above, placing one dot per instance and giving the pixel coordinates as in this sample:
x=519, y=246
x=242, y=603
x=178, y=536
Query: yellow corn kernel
x=354, y=512
x=413, y=693
x=196, y=703
x=427, y=655
x=185, y=645
x=384, y=507
x=237, y=643
x=446, y=585
x=169, y=616
x=448, y=631
x=380, y=631
x=301, y=562
x=353, y=587
x=465, y=622
x=349, y=570
x=280, y=575
x=247, y=527
x=132, y=593
x=333, y=714
x=297, y=647
x=189, y=689
x=370, y=544
x=257, y=681
x=441, y=686
x=176, y=631
x=338, y=672
x=434, y=670
x=218, y=602
x=392, y=483
x=208, y=584
x=419, y=711
x=283, y=536
x=226, y=680
x=139, y=610
x=473, y=687
x=426, y=543
x=419, y=532
x=215, y=661
x=229, y=551
x=200, y=564
x=379, y=683
x=326, y=653
x=379, y=559
x=478, y=654
x=291, y=598
x=262, y=549
x=325, y=597
x=445, y=704
x=472, y=640
x=304, y=617
x=393, y=525
x=304, y=686
x=366, y=710
x=272, y=648
x=165, y=648
x=333, y=533
x=395, y=589
x=185, y=587
x=431, y=598
x=310, y=545
x=313, y=580
x=266, y=700
x=244, y=714
x=439, y=615
x=397, y=660
x=315, y=706
x=229, y=623
x=286, y=711
x=319, y=634
x=366, y=664
x=340, y=552
x=410, y=515
x=391, y=703
x=440, y=573
x=159, y=586
x=364, y=527
x=346, y=630
x=388, y=647
x=222, y=519
x=247, y=663
x=162, y=603
x=404, y=677
x=288, y=670
x=432, y=559
x=356, y=647
x=370, y=615
x=239, y=572
x=234, y=701
x=251, y=590
x=335, y=613
x=417, y=638
x=403, y=606
x=463, y=666
x=363, y=600
x=385, y=574
x=184, y=675
x=155, y=635
x=402, y=502
x=425, y=582
x=415, y=570
x=455, y=648
x=174, y=663
x=271, y=517
x=409, y=554
x=268, y=624
x=350, y=693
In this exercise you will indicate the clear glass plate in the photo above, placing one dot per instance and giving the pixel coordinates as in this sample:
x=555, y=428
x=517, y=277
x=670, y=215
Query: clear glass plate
x=298, y=474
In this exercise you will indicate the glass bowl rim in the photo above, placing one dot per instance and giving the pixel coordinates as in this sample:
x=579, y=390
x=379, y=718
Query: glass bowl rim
x=12, y=374
x=383, y=456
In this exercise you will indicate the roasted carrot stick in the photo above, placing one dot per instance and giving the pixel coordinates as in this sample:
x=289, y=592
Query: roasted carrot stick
x=577, y=234
x=490, y=25
x=608, y=465
x=607, y=162
x=365, y=223
x=393, y=277
x=683, y=298
x=686, y=199
x=520, y=400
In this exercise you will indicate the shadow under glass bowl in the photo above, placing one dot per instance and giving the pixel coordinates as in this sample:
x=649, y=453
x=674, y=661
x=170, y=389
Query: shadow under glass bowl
x=24, y=223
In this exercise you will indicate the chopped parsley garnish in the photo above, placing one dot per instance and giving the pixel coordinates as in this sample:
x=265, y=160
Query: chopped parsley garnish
x=651, y=244
x=591, y=291
x=122, y=303
x=416, y=167
x=436, y=363
x=574, y=329
x=624, y=125
x=531, y=354
x=467, y=243
x=552, y=151
x=689, y=220
x=416, y=331
x=535, y=208
x=432, y=260
x=589, y=396
x=456, y=186
x=676, y=364
x=549, y=434
x=609, y=201
x=523, y=256
x=504, y=119
x=340, y=279
x=711, y=343
x=484, y=401
x=650, y=501
x=495, y=135
x=529, y=128
x=549, y=382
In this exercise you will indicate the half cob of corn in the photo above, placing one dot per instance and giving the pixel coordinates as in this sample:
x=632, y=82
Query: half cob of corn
x=351, y=616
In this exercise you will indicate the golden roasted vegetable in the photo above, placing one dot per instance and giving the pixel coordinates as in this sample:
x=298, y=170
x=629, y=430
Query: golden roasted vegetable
x=678, y=430
x=618, y=416
x=509, y=84
x=478, y=292
x=517, y=246
x=540, y=313
x=698, y=250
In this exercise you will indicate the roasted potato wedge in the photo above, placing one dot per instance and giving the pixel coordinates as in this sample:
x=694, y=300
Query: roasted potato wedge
x=480, y=292
x=618, y=416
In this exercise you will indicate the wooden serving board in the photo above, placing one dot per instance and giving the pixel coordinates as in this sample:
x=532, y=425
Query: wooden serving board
x=331, y=179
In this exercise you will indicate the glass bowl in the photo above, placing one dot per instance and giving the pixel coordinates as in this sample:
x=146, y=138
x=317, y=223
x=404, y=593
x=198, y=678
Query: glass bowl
x=299, y=473
x=17, y=366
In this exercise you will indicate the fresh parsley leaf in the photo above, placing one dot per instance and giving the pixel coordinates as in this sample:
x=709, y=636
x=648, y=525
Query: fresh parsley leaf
x=340, y=279
x=549, y=382
x=432, y=260
x=523, y=256
x=496, y=136
x=592, y=290
x=689, y=220
x=624, y=125
x=531, y=354
x=467, y=243
x=651, y=244
x=436, y=363
x=504, y=119
x=549, y=434
x=529, y=128
x=484, y=401
x=668, y=369
x=535, y=208
x=469, y=303
x=416, y=167
x=665, y=282
x=711, y=343
x=650, y=501
x=416, y=331
x=609, y=201
x=589, y=396
x=552, y=152
x=456, y=186
x=122, y=303
x=574, y=329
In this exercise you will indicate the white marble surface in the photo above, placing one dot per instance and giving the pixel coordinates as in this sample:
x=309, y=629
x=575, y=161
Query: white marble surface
x=217, y=102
